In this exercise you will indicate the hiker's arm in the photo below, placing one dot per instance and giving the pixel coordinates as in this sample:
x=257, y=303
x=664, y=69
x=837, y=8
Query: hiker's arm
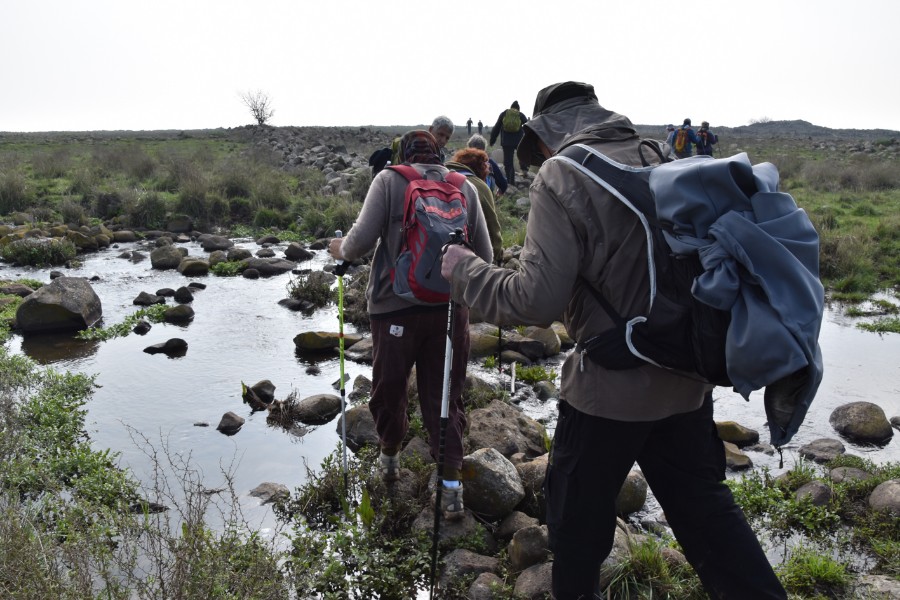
x=368, y=227
x=538, y=292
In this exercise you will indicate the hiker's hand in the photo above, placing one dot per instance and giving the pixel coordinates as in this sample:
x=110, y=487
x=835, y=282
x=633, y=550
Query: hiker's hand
x=454, y=253
x=334, y=248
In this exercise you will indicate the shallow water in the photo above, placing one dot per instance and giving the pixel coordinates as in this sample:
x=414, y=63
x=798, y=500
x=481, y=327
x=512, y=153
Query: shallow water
x=239, y=333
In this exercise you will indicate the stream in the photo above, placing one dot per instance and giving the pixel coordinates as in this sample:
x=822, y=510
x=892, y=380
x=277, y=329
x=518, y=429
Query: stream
x=146, y=404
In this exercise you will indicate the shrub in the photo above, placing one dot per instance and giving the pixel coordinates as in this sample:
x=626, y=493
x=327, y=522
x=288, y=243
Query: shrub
x=270, y=190
x=83, y=181
x=72, y=212
x=813, y=575
x=13, y=192
x=240, y=211
x=108, y=205
x=39, y=251
x=314, y=288
x=50, y=165
x=228, y=268
x=235, y=179
x=268, y=217
x=149, y=210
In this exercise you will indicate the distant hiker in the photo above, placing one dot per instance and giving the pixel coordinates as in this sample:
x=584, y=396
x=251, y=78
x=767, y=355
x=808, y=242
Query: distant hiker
x=407, y=333
x=442, y=130
x=685, y=138
x=509, y=129
x=580, y=243
x=707, y=140
x=474, y=164
x=495, y=179
x=480, y=127
x=670, y=135
x=469, y=126
x=379, y=159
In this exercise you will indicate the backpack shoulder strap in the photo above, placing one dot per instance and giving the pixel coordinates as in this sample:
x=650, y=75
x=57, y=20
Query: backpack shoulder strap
x=407, y=171
x=457, y=179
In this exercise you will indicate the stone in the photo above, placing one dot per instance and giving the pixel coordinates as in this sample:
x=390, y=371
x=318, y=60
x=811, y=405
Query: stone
x=65, y=304
x=862, y=422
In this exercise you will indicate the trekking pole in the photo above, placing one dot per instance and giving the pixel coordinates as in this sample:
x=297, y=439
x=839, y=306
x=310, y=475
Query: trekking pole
x=455, y=238
x=339, y=270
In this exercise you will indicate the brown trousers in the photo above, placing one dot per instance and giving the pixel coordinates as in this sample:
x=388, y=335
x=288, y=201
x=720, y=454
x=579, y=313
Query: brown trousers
x=419, y=340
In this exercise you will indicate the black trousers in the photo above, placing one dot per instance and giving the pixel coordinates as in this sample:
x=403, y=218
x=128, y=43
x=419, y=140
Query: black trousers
x=683, y=460
x=509, y=164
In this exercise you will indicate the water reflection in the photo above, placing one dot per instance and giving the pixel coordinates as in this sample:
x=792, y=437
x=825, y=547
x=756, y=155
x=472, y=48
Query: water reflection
x=50, y=348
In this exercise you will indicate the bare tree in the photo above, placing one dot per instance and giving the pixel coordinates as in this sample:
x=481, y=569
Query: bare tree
x=260, y=105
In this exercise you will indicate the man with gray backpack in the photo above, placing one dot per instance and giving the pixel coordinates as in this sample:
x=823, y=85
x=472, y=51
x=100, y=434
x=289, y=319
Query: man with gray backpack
x=587, y=256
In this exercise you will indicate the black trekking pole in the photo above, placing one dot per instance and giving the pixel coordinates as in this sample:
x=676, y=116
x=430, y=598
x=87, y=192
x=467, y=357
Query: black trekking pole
x=455, y=238
x=339, y=270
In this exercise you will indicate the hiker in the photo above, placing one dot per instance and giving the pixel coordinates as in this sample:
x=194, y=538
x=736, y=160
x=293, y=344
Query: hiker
x=441, y=129
x=495, y=179
x=509, y=129
x=406, y=334
x=579, y=236
x=707, y=140
x=473, y=163
x=670, y=135
x=480, y=127
x=684, y=139
x=469, y=126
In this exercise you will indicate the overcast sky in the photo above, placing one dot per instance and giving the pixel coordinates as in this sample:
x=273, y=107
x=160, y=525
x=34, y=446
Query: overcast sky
x=78, y=65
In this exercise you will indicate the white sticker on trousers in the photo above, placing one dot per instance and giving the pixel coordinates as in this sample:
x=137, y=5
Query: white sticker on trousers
x=396, y=330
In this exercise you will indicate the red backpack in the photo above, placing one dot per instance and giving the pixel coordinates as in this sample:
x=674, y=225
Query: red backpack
x=433, y=209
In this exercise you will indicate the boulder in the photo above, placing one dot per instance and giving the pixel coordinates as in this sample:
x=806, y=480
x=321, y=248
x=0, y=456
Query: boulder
x=735, y=459
x=532, y=474
x=886, y=497
x=211, y=243
x=862, y=422
x=193, y=267
x=822, y=450
x=493, y=487
x=268, y=267
x=505, y=428
x=529, y=546
x=270, y=492
x=320, y=341
x=148, y=299
x=737, y=434
x=179, y=314
x=534, y=582
x=65, y=304
x=461, y=562
x=632, y=495
x=230, y=423
x=360, y=427
x=547, y=336
x=297, y=253
x=167, y=257
x=317, y=409
x=818, y=493
x=172, y=347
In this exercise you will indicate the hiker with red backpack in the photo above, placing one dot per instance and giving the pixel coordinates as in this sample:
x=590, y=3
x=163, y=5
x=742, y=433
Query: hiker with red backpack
x=583, y=242
x=685, y=138
x=707, y=140
x=408, y=301
x=509, y=129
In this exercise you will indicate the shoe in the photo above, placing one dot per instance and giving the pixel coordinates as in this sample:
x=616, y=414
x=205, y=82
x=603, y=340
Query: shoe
x=390, y=467
x=452, y=503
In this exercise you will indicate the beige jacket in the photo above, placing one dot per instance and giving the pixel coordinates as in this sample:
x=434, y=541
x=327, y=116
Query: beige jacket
x=578, y=233
x=380, y=226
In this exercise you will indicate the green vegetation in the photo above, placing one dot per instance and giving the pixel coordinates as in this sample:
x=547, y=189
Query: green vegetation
x=74, y=525
x=314, y=288
x=647, y=572
x=154, y=314
x=535, y=373
x=39, y=251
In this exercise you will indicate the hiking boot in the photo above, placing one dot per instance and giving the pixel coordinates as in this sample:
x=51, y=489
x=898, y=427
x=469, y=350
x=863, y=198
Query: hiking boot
x=452, y=503
x=390, y=467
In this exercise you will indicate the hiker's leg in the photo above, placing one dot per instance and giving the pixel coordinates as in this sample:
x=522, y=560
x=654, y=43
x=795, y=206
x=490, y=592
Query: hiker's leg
x=684, y=464
x=430, y=380
x=392, y=359
x=589, y=461
x=509, y=164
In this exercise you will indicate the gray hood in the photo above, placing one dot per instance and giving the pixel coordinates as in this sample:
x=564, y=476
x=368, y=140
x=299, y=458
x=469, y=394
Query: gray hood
x=563, y=123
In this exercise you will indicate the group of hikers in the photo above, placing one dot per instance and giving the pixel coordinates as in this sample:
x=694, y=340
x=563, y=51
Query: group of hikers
x=580, y=244
x=682, y=139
